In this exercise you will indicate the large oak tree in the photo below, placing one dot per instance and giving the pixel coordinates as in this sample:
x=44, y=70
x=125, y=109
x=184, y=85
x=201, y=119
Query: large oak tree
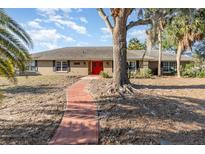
x=119, y=27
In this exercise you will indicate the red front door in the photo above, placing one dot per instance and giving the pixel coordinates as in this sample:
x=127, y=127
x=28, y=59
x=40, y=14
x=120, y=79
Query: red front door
x=97, y=67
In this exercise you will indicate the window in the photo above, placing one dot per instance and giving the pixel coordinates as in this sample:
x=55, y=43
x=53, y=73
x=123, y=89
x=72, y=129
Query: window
x=169, y=66
x=132, y=66
x=31, y=66
x=58, y=66
x=64, y=66
x=61, y=66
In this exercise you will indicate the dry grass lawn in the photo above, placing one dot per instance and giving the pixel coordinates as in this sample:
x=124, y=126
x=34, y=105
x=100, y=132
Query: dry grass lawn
x=164, y=110
x=31, y=111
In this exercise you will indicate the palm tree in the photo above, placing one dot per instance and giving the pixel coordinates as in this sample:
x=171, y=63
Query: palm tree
x=183, y=30
x=14, y=45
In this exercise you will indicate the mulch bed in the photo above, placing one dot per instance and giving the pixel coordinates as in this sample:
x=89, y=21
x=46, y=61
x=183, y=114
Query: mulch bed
x=31, y=111
x=161, y=111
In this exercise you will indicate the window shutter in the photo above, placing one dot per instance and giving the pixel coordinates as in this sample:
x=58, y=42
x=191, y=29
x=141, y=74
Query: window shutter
x=137, y=65
x=54, y=65
x=161, y=64
x=36, y=65
x=68, y=65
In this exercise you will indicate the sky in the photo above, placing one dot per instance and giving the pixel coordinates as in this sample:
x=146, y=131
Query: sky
x=58, y=28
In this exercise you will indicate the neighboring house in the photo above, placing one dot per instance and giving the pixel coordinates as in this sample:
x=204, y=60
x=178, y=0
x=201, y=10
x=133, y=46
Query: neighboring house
x=93, y=60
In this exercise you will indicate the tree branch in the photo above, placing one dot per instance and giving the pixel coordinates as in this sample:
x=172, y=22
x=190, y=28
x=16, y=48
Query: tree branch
x=129, y=11
x=105, y=18
x=139, y=22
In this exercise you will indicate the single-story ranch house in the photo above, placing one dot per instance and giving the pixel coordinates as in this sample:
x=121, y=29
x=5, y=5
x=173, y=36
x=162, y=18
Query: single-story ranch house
x=93, y=60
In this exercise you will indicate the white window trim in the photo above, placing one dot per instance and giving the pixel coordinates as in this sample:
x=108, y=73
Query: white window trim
x=61, y=70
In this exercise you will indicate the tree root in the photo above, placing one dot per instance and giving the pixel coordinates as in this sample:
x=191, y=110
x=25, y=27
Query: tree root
x=126, y=89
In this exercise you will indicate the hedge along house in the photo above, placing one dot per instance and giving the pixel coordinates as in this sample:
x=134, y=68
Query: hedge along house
x=92, y=60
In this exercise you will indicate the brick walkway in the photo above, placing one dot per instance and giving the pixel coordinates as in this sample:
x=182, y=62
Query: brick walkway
x=79, y=124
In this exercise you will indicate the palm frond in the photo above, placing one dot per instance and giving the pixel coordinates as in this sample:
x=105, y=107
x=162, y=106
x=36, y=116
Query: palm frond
x=14, y=45
x=7, y=69
x=8, y=55
x=13, y=26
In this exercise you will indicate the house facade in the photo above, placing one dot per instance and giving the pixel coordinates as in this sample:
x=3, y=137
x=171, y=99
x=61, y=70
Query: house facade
x=92, y=60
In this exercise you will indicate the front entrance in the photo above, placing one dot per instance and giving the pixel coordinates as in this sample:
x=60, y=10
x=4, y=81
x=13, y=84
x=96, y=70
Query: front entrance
x=97, y=67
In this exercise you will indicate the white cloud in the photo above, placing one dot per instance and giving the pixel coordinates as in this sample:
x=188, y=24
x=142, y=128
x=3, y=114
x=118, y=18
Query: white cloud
x=67, y=38
x=53, y=16
x=140, y=34
x=105, y=30
x=78, y=9
x=48, y=35
x=59, y=26
x=82, y=44
x=83, y=19
x=34, y=24
x=47, y=38
x=37, y=20
x=48, y=45
x=48, y=11
x=53, y=11
x=73, y=25
x=70, y=24
x=106, y=34
x=66, y=10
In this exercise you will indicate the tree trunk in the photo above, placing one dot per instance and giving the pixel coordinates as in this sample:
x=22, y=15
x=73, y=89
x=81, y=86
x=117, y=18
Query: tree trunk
x=148, y=46
x=120, y=76
x=160, y=52
x=149, y=42
x=178, y=58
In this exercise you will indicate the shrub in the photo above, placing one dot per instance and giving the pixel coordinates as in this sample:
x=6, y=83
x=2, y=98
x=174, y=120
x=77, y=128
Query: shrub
x=104, y=74
x=191, y=70
x=188, y=70
x=173, y=71
x=201, y=74
x=145, y=72
x=142, y=73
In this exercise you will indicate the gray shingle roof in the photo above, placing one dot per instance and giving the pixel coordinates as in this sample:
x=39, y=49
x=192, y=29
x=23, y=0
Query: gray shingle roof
x=98, y=53
x=166, y=56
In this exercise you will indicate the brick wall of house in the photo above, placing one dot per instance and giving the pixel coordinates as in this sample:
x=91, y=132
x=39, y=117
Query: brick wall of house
x=76, y=68
x=107, y=67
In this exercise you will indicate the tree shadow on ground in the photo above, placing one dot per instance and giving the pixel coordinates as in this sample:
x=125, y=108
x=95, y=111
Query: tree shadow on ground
x=75, y=132
x=168, y=87
x=41, y=131
x=152, y=120
x=36, y=133
x=28, y=89
x=143, y=137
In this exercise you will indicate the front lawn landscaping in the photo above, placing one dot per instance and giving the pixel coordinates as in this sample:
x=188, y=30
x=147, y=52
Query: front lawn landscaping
x=31, y=111
x=164, y=110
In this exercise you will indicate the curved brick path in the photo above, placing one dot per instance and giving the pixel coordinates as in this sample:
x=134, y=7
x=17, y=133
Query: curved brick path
x=79, y=124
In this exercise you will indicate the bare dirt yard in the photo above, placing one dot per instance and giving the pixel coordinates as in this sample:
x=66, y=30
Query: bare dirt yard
x=165, y=110
x=31, y=111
